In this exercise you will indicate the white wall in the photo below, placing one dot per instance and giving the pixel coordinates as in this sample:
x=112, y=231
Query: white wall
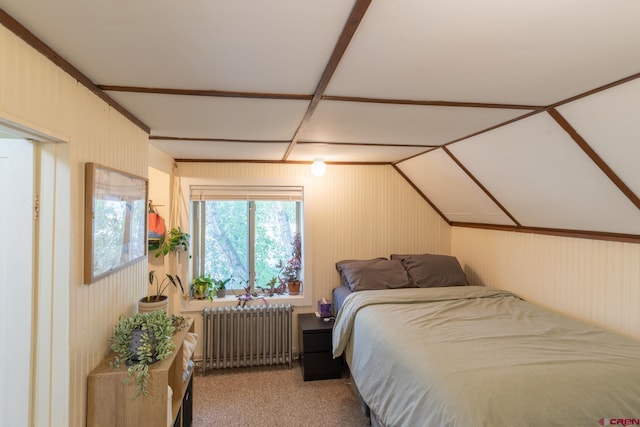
x=38, y=95
x=362, y=212
x=594, y=280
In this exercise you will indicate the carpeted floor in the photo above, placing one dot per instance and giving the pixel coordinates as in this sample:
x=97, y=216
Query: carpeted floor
x=273, y=396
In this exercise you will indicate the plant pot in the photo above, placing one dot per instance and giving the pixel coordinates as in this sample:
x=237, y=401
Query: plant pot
x=199, y=295
x=145, y=306
x=294, y=287
x=221, y=293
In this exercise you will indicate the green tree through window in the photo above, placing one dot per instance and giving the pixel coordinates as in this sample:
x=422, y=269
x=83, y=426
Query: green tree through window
x=243, y=239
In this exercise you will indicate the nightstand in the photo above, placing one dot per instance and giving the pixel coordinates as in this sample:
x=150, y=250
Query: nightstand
x=316, y=358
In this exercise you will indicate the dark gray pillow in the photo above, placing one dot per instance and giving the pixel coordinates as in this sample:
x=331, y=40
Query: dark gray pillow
x=374, y=274
x=429, y=271
x=345, y=282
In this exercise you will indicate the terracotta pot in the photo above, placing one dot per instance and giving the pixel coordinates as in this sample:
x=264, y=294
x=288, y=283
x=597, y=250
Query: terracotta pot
x=294, y=287
x=161, y=304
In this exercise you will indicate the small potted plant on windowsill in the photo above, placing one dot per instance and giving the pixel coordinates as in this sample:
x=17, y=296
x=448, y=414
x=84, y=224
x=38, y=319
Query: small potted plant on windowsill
x=291, y=270
x=158, y=301
x=220, y=285
x=202, y=287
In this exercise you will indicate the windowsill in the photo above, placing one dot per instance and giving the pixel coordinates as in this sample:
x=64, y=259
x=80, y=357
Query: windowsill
x=195, y=305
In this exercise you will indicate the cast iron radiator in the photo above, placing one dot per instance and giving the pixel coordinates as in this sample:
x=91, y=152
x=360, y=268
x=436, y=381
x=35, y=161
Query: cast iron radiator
x=237, y=337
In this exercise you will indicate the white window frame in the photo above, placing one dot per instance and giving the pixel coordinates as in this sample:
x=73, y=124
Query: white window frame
x=186, y=219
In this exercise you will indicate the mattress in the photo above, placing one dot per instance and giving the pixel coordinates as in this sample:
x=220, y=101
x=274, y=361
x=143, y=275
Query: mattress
x=475, y=356
x=339, y=295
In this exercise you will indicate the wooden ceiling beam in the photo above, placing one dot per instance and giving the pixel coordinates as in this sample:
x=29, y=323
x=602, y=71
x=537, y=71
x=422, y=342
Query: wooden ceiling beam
x=206, y=92
x=23, y=33
x=482, y=187
x=564, y=124
x=431, y=103
x=348, y=31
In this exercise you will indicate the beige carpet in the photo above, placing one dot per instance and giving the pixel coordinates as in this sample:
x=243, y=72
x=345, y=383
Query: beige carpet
x=272, y=396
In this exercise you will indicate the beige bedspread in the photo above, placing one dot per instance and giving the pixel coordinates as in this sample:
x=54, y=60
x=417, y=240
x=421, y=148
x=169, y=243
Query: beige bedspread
x=476, y=356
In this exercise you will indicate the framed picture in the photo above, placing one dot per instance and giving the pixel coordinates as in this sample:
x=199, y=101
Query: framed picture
x=115, y=220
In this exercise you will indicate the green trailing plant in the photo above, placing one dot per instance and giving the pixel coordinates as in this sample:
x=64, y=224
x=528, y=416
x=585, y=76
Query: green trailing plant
x=174, y=240
x=161, y=285
x=202, y=287
x=139, y=341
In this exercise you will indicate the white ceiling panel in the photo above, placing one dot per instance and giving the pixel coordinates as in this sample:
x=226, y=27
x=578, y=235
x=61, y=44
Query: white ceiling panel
x=242, y=45
x=609, y=122
x=543, y=178
x=216, y=117
x=352, y=153
x=222, y=150
x=357, y=122
x=532, y=52
x=455, y=194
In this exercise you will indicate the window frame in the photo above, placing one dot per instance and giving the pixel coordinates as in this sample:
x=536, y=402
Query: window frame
x=187, y=221
x=199, y=227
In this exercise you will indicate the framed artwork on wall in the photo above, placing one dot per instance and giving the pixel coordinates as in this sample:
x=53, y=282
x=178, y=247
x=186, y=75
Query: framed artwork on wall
x=115, y=220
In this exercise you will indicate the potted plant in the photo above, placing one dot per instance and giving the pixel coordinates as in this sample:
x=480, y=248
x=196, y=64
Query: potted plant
x=174, y=240
x=271, y=289
x=220, y=287
x=139, y=341
x=202, y=287
x=158, y=301
x=291, y=270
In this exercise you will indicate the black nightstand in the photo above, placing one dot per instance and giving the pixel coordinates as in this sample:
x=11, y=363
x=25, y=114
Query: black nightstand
x=316, y=359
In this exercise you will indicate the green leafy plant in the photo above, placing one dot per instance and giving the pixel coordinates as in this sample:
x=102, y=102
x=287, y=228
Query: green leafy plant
x=202, y=287
x=162, y=285
x=175, y=239
x=220, y=284
x=139, y=341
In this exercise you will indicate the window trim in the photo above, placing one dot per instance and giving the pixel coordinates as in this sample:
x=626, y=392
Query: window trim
x=187, y=221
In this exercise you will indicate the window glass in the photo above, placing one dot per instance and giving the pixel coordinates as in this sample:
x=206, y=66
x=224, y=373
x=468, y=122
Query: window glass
x=244, y=240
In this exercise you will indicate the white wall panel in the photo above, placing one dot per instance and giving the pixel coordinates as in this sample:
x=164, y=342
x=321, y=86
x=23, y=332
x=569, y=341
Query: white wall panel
x=593, y=280
x=608, y=121
x=38, y=95
x=340, y=121
x=216, y=117
x=366, y=212
x=544, y=179
x=454, y=193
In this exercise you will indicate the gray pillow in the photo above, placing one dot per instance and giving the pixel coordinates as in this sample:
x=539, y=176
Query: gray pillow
x=345, y=282
x=428, y=271
x=374, y=274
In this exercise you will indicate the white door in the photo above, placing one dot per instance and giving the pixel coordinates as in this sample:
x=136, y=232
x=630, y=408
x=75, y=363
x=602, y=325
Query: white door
x=16, y=280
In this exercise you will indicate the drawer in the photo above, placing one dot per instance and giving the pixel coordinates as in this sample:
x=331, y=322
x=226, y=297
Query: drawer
x=320, y=366
x=317, y=342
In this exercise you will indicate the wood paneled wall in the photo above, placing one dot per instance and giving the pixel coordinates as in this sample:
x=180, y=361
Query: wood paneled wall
x=362, y=212
x=37, y=94
x=594, y=280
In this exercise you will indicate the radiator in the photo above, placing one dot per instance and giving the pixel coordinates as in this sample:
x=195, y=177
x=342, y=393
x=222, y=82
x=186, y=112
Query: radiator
x=236, y=337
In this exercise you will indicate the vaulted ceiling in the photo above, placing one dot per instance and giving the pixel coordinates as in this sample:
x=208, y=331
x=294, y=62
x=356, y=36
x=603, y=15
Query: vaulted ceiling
x=516, y=115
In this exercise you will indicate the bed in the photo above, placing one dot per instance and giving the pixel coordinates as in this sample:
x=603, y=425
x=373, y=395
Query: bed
x=458, y=355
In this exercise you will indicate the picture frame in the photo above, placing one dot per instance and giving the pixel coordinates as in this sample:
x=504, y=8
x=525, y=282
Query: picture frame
x=115, y=220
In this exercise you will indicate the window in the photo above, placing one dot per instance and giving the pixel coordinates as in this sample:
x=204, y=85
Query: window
x=244, y=232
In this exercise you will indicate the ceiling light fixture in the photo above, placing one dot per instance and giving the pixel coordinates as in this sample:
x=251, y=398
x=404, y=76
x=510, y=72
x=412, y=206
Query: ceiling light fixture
x=318, y=168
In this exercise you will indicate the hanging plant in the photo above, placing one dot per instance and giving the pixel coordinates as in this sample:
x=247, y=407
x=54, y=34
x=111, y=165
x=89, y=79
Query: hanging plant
x=140, y=341
x=174, y=240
